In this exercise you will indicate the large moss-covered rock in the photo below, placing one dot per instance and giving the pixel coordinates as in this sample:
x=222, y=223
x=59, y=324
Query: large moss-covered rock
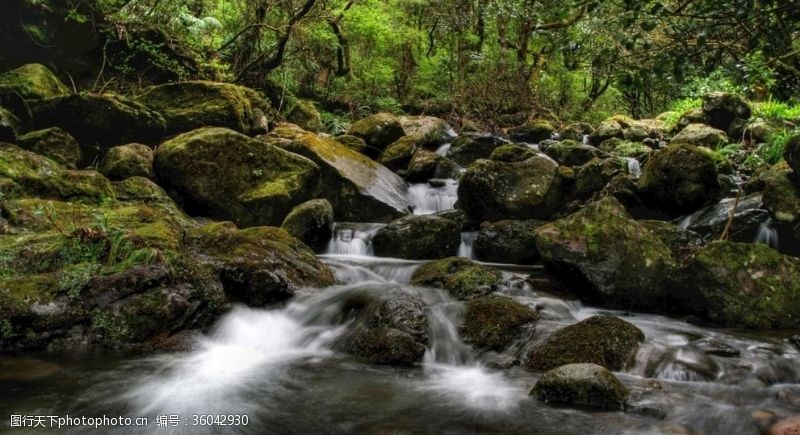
x=259, y=265
x=360, y=189
x=723, y=108
x=429, y=131
x=418, y=238
x=426, y=165
x=595, y=175
x=679, y=240
x=606, y=130
x=576, y=131
x=462, y=278
x=494, y=322
x=225, y=175
x=582, y=385
x=512, y=153
x=532, y=132
x=311, y=222
x=9, y=126
x=680, y=178
x=125, y=161
x=190, y=105
x=781, y=196
x=571, y=153
x=378, y=130
x=101, y=119
x=615, y=259
x=742, y=285
x=33, y=82
x=492, y=190
x=604, y=340
x=508, y=241
x=398, y=155
x=701, y=135
x=389, y=326
x=792, y=153
x=306, y=115
x=469, y=147
x=53, y=143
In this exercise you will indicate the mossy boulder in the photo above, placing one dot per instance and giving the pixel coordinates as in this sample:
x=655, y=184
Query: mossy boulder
x=742, y=285
x=194, y=104
x=355, y=143
x=701, y=135
x=223, y=174
x=583, y=386
x=792, y=153
x=508, y=241
x=604, y=340
x=532, y=132
x=378, y=130
x=53, y=143
x=360, y=189
x=9, y=126
x=576, y=131
x=606, y=130
x=571, y=153
x=636, y=133
x=125, y=161
x=512, y=153
x=628, y=149
x=677, y=239
x=680, y=178
x=593, y=176
x=611, y=258
x=398, y=155
x=462, y=278
x=311, y=222
x=493, y=322
x=469, y=147
x=723, y=108
x=105, y=120
x=427, y=165
x=781, y=196
x=423, y=237
x=492, y=190
x=429, y=131
x=306, y=115
x=33, y=82
x=259, y=265
x=389, y=326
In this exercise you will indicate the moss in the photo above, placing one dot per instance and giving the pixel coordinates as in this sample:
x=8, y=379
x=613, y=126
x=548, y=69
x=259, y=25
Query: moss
x=628, y=148
x=511, y=153
x=311, y=222
x=462, y=278
x=781, y=197
x=127, y=161
x=33, y=82
x=679, y=178
x=493, y=322
x=532, y=132
x=378, y=130
x=53, y=143
x=604, y=340
x=582, y=385
x=306, y=115
x=398, y=154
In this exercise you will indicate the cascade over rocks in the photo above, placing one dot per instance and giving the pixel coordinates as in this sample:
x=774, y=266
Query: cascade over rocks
x=53, y=143
x=125, y=161
x=492, y=190
x=616, y=260
x=741, y=285
x=418, y=238
x=360, y=189
x=469, y=147
x=508, y=241
x=462, y=278
x=493, y=322
x=190, y=105
x=227, y=175
x=582, y=385
x=311, y=222
x=605, y=340
x=680, y=178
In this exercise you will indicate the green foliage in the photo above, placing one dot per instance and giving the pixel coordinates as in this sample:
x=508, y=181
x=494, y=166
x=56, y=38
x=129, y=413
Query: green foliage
x=679, y=108
x=775, y=110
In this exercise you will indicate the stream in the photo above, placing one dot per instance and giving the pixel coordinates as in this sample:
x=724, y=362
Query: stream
x=279, y=367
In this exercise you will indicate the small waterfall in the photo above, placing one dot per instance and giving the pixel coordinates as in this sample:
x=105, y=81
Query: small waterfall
x=352, y=238
x=442, y=150
x=467, y=240
x=767, y=234
x=445, y=345
x=634, y=168
x=585, y=139
x=685, y=222
x=432, y=197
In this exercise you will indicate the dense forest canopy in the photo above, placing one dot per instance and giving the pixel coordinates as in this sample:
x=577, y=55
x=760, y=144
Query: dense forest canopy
x=487, y=59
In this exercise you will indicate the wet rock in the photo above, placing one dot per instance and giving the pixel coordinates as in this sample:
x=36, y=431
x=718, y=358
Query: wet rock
x=390, y=328
x=494, y=322
x=595, y=175
x=605, y=340
x=741, y=285
x=105, y=120
x=226, y=175
x=259, y=265
x=532, y=132
x=355, y=143
x=426, y=165
x=795, y=341
x=512, y=153
x=492, y=190
x=378, y=130
x=717, y=348
x=582, y=385
x=191, y=105
x=462, y=278
x=53, y=143
x=701, y=135
x=398, y=155
x=508, y=241
x=606, y=130
x=470, y=147
x=359, y=189
x=723, y=108
x=679, y=178
x=615, y=259
x=711, y=221
x=571, y=153
x=418, y=238
x=304, y=114
x=125, y=161
x=429, y=131
x=311, y=222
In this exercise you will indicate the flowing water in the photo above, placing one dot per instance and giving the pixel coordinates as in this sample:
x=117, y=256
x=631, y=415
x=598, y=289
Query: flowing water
x=425, y=198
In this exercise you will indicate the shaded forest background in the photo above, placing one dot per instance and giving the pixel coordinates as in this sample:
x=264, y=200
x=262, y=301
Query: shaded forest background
x=494, y=62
